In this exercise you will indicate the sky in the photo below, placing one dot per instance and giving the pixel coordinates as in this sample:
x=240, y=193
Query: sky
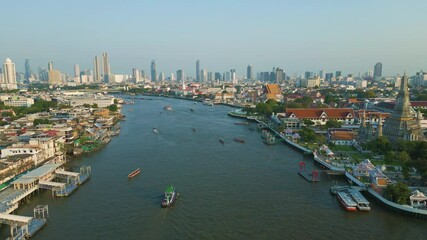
x=295, y=35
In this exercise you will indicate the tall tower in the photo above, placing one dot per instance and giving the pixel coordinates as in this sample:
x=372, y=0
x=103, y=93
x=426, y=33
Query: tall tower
x=136, y=75
x=76, y=70
x=250, y=72
x=106, y=67
x=378, y=71
x=153, y=71
x=9, y=74
x=50, y=66
x=198, y=71
x=96, y=70
x=27, y=69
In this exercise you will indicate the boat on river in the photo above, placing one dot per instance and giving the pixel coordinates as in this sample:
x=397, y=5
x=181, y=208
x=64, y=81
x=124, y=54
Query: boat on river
x=170, y=197
x=347, y=201
x=134, y=173
x=239, y=140
x=155, y=130
x=241, y=123
x=221, y=140
x=167, y=108
x=362, y=203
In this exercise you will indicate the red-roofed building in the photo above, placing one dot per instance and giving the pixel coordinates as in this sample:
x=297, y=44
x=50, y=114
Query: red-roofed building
x=342, y=137
x=320, y=115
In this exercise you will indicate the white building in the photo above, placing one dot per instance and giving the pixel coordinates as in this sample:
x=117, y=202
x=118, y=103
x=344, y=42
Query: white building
x=19, y=102
x=9, y=75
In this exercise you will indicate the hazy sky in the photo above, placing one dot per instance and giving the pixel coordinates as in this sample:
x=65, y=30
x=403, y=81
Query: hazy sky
x=298, y=35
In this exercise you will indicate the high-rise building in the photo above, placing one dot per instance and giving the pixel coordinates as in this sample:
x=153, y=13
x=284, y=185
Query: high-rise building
x=55, y=77
x=218, y=76
x=9, y=75
x=250, y=72
x=49, y=66
x=153, y=71
x=338, y=75
x=135, y=75
x=106, y=67
x=96, y=70
x=203, y=75
x=322, y=74
x=143, y=76
x=173, y=77
x=76, y=70
x=198, y=71
x=378, y=71
x=328, y=77
x=210, y=76
x=280, y=75
x=180, y=75
x=27, y=69
x=161, y=77
x=233, y=76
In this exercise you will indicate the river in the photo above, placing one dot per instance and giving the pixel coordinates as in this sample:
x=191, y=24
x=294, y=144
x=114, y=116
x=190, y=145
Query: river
x=230, y=191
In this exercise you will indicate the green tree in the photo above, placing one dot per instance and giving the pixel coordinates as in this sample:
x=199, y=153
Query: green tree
x=333, y=124
x=39, y=121
x=398, y=193
x=112, y=108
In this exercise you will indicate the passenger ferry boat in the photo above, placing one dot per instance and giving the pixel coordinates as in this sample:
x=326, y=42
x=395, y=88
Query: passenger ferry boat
x=170, y=197
x=347, y=201
x=134, y=173
x=362, y=202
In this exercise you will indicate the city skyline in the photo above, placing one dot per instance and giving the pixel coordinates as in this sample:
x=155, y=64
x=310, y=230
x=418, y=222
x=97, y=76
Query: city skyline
x=325, y=36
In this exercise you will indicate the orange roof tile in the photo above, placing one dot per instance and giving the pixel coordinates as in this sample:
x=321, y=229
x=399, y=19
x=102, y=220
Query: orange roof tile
x=342, y=135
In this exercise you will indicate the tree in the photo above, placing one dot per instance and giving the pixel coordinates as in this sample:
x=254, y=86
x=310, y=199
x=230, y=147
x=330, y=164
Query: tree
x=308, y=122
x=398, y=193
x=307, y=134
x=333, y=124
x=112, y=108
x=39, y=121
x=94, y=105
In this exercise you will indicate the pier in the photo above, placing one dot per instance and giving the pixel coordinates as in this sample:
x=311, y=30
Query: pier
x=43, y=177
x=309, y=177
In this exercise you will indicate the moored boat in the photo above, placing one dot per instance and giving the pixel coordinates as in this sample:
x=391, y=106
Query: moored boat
x=170, y=197
x=335, y=189
x=239, y=140
x=362, y=203
x=347, y=201
x=134, y=173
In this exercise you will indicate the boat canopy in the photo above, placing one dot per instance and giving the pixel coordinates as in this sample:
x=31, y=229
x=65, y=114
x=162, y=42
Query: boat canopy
x=169, y=189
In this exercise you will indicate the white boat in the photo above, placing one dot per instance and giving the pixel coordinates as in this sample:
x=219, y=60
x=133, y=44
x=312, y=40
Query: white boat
x=362, y=203
x=347, y=201
x=167, y=108
x=155, y=130
x=207, y=102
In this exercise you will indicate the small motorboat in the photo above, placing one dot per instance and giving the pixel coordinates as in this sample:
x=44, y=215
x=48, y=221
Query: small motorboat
x=239, y=140
x=170, y=197
x=194, y=130
x=221, y=140
x=155, y=130
x=241, y=123
x=134, y=173
x=191, y=109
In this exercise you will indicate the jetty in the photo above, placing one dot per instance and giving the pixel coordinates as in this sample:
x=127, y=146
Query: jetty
x=309, y=177
x=51, y=176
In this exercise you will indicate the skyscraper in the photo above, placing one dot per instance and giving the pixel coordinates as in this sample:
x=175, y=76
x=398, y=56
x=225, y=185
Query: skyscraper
x=161, y=77
x=198, y=70
x=76, y=70
x=378, y=71
x=280, y=75
x=27, y=69
x=55, y=77
x=218, y=76
x=250, y=72
x=338, y=75
x=135, y=75
x=322, y=74
x=50, y=66
x=179, y=75
x=153, y=71
x=9, y=74
x=96, y=70
x=203, y=75
x=106, y=67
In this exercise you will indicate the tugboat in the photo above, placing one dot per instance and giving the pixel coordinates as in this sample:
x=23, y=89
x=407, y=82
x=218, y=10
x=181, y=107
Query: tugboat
x=170, y=197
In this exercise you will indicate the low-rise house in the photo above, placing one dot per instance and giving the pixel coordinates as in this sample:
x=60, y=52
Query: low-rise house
x=344, y=137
